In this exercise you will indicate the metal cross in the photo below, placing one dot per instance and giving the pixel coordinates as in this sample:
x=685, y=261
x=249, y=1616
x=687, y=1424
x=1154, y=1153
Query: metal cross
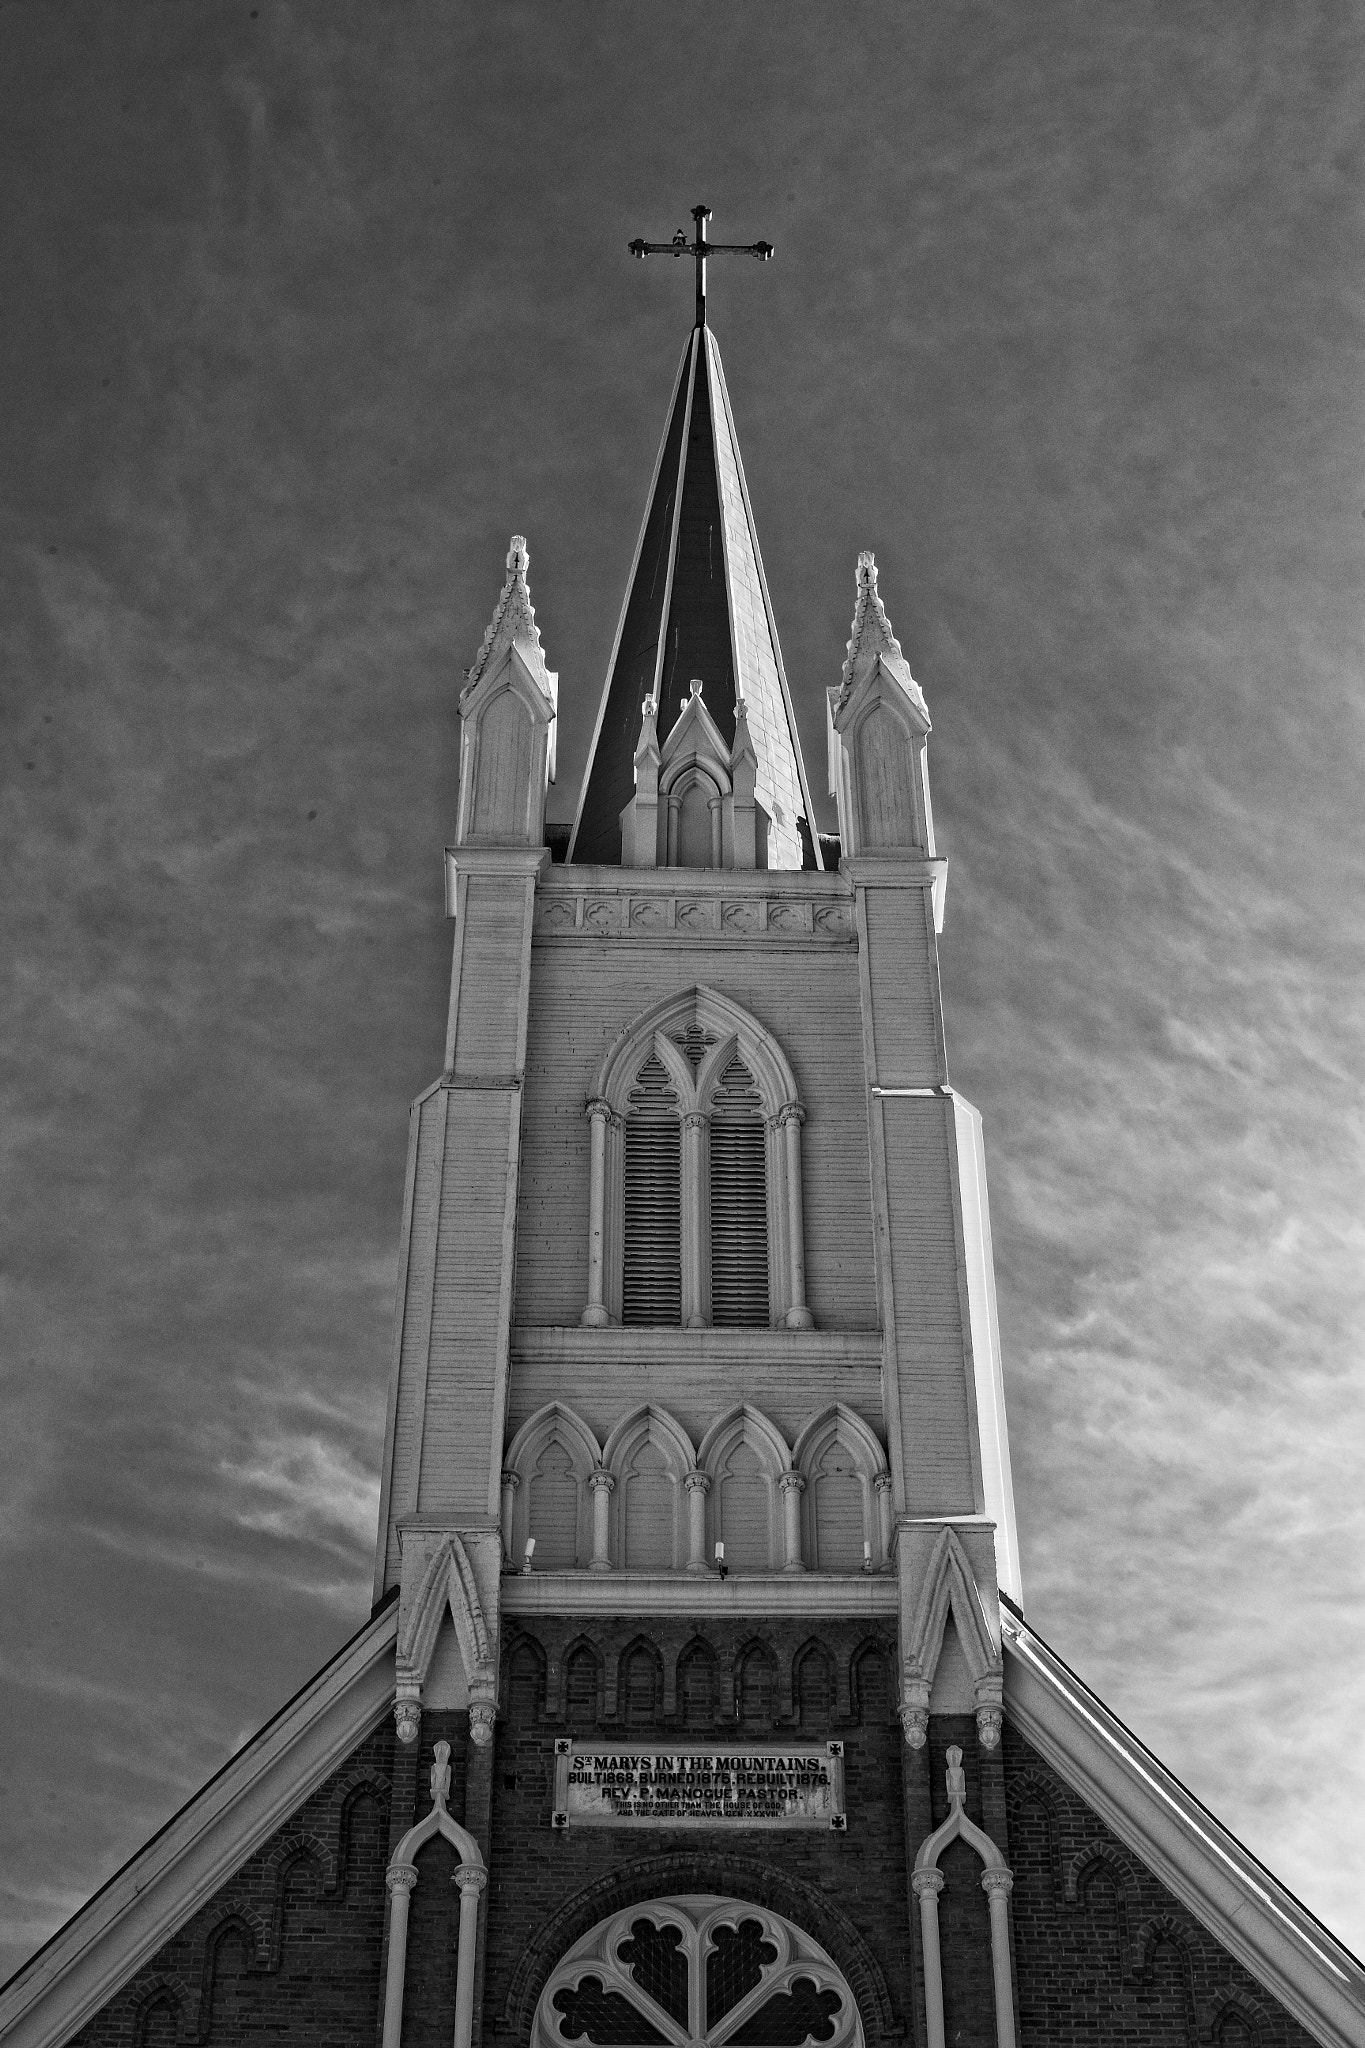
x=699, y=249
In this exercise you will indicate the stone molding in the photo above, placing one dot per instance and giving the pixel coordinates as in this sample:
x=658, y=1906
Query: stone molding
x=687, y=916
x=204, y=1845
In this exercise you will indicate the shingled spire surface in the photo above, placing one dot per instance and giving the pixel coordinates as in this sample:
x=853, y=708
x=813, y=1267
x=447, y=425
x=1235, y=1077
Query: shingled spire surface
x=697, y=606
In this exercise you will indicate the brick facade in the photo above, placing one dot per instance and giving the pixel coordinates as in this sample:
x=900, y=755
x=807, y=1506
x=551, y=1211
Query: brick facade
x=292, y=1947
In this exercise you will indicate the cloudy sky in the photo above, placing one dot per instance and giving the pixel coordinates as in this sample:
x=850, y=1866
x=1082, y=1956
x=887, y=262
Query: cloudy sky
x=307, y=307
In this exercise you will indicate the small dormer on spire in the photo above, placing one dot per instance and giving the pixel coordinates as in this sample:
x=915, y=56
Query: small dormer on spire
x=694, y=804
x=878, y=725
x=508, y=710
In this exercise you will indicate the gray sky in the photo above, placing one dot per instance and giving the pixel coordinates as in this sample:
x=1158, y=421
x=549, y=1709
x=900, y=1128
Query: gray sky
x=307, y=309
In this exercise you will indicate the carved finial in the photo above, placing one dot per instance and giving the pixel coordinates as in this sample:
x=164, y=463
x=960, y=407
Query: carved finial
x=957, y=1778
x=514, y=615
x=440, y=1775
x=869, y=620
x=694, y=688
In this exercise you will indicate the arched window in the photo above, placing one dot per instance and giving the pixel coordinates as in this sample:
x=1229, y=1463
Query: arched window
x=640, y=1686
x=695, y=1204
x=697, y=1685
x=711, y=1972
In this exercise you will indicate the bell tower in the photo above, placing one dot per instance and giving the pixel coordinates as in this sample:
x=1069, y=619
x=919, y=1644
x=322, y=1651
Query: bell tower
x=697, y=1707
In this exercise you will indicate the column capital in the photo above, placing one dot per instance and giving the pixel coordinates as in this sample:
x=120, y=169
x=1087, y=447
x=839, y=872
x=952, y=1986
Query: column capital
x=471, y=1877
x=400, y=1877
x=601, y=1111
x=482, y=1715
x=789, y=1113
x=602, y=1481
x=792, y=1482
x=926, y=1883
x=407, y=1718
x=512, y=1479
x=882, y=1483
x=997, y=1881
x=696, y=1120
x=697, y=1481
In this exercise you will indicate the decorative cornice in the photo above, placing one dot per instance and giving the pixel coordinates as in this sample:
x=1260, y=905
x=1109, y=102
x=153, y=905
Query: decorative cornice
x=853, y=1595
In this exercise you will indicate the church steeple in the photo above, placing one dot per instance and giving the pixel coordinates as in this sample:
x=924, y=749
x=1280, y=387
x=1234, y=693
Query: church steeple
x=697, y=609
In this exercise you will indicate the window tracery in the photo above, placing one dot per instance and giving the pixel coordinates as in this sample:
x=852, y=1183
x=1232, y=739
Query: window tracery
x=695, y=1201
x=697, y=1972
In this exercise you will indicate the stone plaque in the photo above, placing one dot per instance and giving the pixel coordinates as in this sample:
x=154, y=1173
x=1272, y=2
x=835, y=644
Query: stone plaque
x=677, y=1784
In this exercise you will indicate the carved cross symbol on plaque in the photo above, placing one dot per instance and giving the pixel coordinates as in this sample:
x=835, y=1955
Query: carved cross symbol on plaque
x=699, y=249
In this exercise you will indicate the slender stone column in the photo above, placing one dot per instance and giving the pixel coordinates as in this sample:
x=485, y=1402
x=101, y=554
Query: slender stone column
x=400, y=1879
x=792, y=1486
x=696, y=1202
x=927, y=1884
x=603, y=1485
x=698, y=1486
x=790, y=1118
x=471, y=1878
x=997, y=1885
x=881, y=1486
x=595, y=1315
x=510, y=1482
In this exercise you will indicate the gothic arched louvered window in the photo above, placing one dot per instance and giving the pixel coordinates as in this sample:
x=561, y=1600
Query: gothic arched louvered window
x=651, y=1274
x=739, y=1202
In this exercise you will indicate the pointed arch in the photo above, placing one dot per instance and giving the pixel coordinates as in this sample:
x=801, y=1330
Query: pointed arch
x=716, y=1014
x=582, y=1671
x=653, y=1156
x=814, y=1683
x=949, y=1587
x=639, y=1705
x=649, y=1455
x=447, y=1583
x=745, y=1456
x=840, y=1460
x=696, y=1684
x=550, y=1463
x=1083, y=1862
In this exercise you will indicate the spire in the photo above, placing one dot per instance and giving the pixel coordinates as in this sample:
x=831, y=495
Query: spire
x=514, y=618
x=697, y=606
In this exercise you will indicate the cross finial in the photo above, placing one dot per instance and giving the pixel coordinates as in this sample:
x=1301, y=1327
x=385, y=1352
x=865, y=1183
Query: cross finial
x=699, y=249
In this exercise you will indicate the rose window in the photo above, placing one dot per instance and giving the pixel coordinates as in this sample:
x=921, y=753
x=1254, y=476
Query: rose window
x=696, y=1973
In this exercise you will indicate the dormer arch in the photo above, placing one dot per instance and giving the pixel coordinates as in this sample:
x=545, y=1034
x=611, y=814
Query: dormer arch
x=548, y=1472
x=649, y=1456
x=745, y=1457
x=695, y=1202
x=846, y=1499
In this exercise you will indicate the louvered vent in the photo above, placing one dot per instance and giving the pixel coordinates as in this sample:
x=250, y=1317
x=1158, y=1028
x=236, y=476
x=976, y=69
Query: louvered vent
x=651, y=1276
x=739, y=1203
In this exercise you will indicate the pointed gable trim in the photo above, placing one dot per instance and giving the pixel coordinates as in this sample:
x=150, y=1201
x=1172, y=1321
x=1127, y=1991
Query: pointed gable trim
x=1284, y=1946
x=203, y=1845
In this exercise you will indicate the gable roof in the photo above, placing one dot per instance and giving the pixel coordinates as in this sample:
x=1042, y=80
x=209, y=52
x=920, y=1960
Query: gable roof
x=1284, y=1946
x=697, y=605
x=128, y=1919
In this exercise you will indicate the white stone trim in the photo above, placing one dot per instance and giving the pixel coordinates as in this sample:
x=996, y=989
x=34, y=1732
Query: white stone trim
x=996, y=1881
x=857, y=1595
x=130, y=1917
x=598, y=1954
x=734, y=1031
x=1221, y=1883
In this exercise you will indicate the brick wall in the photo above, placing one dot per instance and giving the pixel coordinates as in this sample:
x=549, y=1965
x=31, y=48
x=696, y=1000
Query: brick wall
x=292, y=1947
